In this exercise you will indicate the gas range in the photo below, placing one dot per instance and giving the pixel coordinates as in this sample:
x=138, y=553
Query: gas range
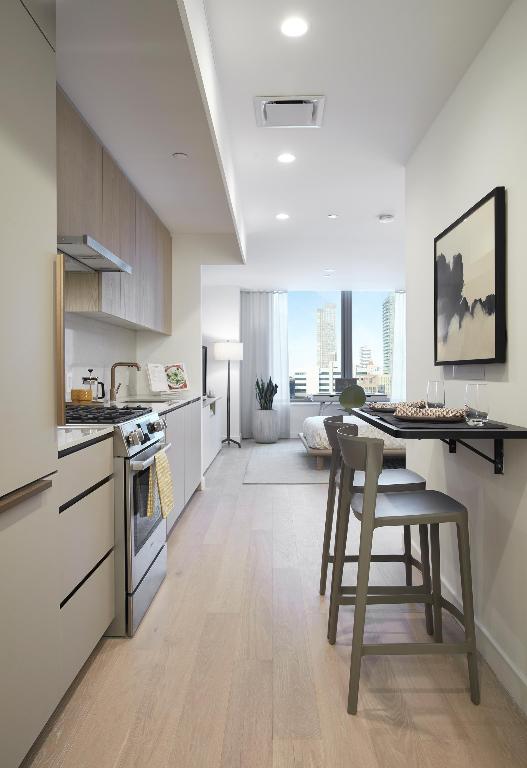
x=103, y=414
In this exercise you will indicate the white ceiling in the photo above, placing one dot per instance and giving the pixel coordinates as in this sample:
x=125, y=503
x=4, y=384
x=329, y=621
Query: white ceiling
x=386, y=68
x=126, y=66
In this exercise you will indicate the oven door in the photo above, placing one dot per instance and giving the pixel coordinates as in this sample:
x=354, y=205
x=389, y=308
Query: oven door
x=146, y=535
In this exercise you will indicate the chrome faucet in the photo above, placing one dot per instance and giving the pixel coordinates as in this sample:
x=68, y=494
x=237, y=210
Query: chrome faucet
x=113, y=389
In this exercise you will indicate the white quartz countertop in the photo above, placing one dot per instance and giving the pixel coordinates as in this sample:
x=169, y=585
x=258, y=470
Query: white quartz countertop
x=69, y=437
x=163, y=406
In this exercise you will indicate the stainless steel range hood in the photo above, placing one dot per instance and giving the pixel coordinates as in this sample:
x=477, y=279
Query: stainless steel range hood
x=87, y=251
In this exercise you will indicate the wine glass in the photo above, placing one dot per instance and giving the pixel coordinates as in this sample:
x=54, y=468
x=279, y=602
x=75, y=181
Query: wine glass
x=476, y=404
x=435, y=394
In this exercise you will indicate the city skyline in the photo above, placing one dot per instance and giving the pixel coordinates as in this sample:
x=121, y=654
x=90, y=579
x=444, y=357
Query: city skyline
x=367, y=325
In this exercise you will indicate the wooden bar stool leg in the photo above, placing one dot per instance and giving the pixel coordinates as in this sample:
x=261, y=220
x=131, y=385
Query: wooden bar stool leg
x=341, y=534
x=408, y=555
x=436, y=582
x=425, y=560
x=330, y=510
x=363, y=574
x=468, y=609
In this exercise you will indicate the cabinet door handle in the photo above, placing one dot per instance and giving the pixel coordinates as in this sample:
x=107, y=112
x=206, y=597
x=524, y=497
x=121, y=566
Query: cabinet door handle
x=21, y=494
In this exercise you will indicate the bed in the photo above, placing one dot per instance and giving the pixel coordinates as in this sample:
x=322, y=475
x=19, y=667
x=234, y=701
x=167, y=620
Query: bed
x=315, y=439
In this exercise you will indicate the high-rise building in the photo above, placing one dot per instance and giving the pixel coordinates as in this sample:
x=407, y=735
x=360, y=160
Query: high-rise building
x=365, y=358
x=387, y=332
x=326, y=335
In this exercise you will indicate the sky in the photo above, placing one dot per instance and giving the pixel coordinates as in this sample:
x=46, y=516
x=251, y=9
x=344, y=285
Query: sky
x=367, y=325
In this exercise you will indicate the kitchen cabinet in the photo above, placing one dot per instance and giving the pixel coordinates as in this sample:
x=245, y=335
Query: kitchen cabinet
x=96, y=198
x=28, y=245
x=29, y=576
x=29, y=640
x=213, y=423
x=118, y=235
x=164, y=278
x=86, y=538
x=184, y=432
x=192, y=448
x=79, y=174
x=146, y=296
x=175, y=421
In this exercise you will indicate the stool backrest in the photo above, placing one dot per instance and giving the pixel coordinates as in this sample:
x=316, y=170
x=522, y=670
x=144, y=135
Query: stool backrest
x=363, y=454
x=332, y=424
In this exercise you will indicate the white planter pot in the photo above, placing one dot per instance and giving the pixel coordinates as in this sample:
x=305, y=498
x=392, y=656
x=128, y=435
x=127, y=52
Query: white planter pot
x=266, y=426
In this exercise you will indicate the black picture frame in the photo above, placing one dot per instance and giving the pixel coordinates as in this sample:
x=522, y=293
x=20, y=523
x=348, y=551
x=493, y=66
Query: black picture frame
x=500, y=331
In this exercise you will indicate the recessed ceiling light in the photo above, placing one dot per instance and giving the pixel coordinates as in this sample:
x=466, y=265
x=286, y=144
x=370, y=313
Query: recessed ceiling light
x=332, y=216
x=329, y=272
x=282, y=216
x=386, y=218
x=180, y=155
x=286, y=157
x=294, y=26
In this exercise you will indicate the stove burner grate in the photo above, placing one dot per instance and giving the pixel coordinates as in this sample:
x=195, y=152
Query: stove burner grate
x=94, y=414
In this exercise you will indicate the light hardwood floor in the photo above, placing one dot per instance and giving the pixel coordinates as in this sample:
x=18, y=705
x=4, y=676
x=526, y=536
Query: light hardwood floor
x=231, y=667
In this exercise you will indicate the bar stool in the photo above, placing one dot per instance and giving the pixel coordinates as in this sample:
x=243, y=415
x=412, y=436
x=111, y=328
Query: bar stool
x=390, y=481
x=421, y=508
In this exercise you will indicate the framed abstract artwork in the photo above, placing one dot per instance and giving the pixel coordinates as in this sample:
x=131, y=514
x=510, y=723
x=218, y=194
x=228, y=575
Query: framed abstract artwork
x=469, y=286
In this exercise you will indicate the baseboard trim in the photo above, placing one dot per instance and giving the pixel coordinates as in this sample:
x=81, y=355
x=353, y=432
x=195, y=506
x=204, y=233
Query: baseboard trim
x=512, y=678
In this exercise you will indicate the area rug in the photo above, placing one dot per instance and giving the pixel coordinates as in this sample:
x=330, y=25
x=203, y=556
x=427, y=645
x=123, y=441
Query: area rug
x=283, y=463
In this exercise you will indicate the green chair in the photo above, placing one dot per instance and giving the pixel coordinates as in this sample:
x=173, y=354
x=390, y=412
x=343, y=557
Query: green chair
x=373, y=511
x=390, y=481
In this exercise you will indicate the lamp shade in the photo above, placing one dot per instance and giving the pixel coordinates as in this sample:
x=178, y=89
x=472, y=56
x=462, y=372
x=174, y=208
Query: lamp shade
x=228, y=350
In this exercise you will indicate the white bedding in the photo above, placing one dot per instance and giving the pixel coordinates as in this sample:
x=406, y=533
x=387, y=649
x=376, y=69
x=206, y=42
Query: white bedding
x=316, y=437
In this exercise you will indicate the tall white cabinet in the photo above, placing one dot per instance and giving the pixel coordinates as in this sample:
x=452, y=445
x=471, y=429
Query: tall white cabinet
x=28, y=247
x=29, y=640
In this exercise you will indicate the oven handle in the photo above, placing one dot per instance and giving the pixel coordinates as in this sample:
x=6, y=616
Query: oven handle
x=138, y=466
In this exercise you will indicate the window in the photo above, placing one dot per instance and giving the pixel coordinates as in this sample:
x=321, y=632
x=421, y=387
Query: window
x=315, y=333
x=314, y=342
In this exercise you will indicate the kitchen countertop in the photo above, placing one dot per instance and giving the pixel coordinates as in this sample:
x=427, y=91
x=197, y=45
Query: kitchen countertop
x=164, y=406
x=72, y=439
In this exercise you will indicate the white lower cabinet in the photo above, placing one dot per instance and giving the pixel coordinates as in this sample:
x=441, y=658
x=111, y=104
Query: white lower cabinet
x=184, y=432
x=192, y=448
x=29, y=623
x=84, y=619
x=86, y=537
x=213, y=430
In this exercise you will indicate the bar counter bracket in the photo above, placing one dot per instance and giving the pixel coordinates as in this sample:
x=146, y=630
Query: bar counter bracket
x=496, y=460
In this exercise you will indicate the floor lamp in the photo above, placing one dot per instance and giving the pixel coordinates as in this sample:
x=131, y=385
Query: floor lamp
x=230, y=351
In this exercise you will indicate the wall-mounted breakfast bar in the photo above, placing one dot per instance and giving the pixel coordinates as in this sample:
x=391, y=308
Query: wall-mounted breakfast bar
x=451, y=433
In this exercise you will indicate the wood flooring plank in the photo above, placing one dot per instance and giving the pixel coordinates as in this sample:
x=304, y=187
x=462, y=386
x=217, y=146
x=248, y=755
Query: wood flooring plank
x=248, y=738
x=294, y=701
x=198, y=739
x=256, y=614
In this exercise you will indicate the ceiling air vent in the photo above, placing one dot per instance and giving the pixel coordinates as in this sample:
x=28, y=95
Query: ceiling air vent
x=289, y=111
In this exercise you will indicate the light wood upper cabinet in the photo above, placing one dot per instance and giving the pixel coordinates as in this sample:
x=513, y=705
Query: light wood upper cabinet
x=146, y=249
x=118, y=225
x=96, y=198
x=79, y=173
x=166, y=269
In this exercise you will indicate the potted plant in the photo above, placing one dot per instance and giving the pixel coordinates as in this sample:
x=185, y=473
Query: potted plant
x=266, y=423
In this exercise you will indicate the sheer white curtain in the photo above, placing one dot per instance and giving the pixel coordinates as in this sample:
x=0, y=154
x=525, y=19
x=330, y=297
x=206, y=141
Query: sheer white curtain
x=399, y=348
x=265, y=353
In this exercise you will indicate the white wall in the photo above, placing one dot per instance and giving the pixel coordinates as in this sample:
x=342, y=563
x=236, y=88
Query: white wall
x=221, y=322
x=93, y=344
x=478, y=142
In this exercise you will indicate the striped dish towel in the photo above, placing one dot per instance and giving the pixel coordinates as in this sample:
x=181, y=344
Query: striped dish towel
x=161, y=476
